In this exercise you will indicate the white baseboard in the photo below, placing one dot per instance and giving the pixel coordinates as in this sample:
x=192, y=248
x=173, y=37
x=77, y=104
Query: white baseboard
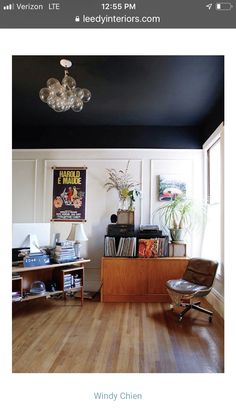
x=217, y=301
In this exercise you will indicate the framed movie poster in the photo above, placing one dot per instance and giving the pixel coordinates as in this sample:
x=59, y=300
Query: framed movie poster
x=69, y=194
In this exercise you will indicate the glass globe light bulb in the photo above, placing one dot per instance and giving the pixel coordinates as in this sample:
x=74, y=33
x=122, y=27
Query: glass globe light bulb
x=66, y=107
x=68, y=82
x=87, y=95
x=44, y=93
x=53, y=84
x=58, y=106
x=51, y=98
x=60, y=93
x=69, y=97
x=77, y=105
x=79, y=92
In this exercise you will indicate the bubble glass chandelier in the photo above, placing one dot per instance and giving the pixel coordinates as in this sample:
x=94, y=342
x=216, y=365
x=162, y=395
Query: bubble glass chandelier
x=65, y=95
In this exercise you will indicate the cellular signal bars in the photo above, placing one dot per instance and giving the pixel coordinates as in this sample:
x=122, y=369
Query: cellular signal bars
x=9, y=7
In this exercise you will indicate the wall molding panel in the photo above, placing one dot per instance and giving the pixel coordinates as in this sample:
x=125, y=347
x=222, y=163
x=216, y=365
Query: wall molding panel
x=24, y=190
x=145, y=165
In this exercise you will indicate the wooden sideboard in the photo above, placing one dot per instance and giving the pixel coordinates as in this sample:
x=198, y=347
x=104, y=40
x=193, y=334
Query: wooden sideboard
x=137, y=279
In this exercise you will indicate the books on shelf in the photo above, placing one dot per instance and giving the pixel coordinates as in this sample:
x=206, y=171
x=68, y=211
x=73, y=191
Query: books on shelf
x=110, y=246
x=77, y=281
x=126, y=247
x=148, y=248
x=72, y=281
x=64, y=252
x=143, y=244
x=153, y=248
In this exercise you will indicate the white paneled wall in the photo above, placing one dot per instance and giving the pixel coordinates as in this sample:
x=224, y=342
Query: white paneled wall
x=24, y=178
x=32, y=189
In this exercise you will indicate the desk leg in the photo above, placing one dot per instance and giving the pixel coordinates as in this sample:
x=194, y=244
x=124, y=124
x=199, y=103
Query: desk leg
x=82, y=296
x=82, y=287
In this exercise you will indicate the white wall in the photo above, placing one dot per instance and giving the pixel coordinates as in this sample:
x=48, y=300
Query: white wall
x=32, y=189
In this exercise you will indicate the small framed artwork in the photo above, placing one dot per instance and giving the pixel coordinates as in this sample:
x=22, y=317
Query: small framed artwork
x=171, y=186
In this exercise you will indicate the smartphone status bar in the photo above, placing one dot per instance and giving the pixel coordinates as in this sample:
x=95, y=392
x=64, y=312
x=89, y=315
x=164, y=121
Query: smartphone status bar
x=122, y=14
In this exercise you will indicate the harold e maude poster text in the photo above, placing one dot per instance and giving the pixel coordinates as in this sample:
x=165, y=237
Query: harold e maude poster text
x=69, y=193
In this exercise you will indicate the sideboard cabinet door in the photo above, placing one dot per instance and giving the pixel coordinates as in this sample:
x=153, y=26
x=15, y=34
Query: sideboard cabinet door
x=139, y=280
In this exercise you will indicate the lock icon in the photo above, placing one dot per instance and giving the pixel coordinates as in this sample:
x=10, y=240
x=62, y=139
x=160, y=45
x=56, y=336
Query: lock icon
x=77, y=19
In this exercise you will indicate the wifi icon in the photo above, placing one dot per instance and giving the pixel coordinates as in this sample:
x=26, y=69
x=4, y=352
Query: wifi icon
x=8, y=6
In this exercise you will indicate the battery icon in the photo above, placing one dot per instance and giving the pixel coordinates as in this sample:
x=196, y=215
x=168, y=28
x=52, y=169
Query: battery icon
x=224, y=7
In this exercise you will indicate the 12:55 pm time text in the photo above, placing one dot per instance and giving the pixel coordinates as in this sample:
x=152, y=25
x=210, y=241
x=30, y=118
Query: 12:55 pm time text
x=118, y=6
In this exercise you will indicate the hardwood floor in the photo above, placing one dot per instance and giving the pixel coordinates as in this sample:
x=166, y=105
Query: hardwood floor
x=115, y=338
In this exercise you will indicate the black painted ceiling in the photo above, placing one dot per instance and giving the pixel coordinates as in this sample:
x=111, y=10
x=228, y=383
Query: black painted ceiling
x=137, y=101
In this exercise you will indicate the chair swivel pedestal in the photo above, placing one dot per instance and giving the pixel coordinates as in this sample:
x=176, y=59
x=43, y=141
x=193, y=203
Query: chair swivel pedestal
x=197, y=281
x=195, y=306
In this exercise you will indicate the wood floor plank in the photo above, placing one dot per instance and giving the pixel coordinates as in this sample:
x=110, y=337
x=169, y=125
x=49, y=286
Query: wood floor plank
x=115, y=338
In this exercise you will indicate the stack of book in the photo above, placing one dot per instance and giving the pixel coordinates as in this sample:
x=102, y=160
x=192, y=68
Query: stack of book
x=163, y=246
x=71, y=281
x=77, y=281
x=153, y=248
x=64, y=252
x=110, y=246
x=126, y=247
x=68, y=281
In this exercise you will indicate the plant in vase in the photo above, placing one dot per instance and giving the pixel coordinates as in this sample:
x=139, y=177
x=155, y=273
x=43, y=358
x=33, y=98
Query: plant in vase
x=122, y=181
x=181, y=215
x=132, y=195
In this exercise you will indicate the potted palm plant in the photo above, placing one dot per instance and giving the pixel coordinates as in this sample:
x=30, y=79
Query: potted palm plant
x=180, y=216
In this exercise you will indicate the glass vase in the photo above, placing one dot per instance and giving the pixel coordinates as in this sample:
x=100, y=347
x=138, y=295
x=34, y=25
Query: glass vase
x=123, y=204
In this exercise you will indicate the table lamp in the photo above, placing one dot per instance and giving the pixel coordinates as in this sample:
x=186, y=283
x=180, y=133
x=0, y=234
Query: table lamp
x=77, y=234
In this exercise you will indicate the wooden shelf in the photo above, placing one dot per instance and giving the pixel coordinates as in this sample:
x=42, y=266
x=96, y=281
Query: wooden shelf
x=72, y=269
x=34, y=297
x=74, y=289
x=21, y=268
x=47, y=294
x=49, y=274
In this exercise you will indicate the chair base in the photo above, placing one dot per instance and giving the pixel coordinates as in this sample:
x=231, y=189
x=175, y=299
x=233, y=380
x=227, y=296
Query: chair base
x=195, y=306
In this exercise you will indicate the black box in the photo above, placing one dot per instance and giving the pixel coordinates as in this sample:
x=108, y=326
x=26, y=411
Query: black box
x=120, y=230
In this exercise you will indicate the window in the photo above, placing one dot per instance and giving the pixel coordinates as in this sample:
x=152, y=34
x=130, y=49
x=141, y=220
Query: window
x=213, y=237
x=214, y=174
